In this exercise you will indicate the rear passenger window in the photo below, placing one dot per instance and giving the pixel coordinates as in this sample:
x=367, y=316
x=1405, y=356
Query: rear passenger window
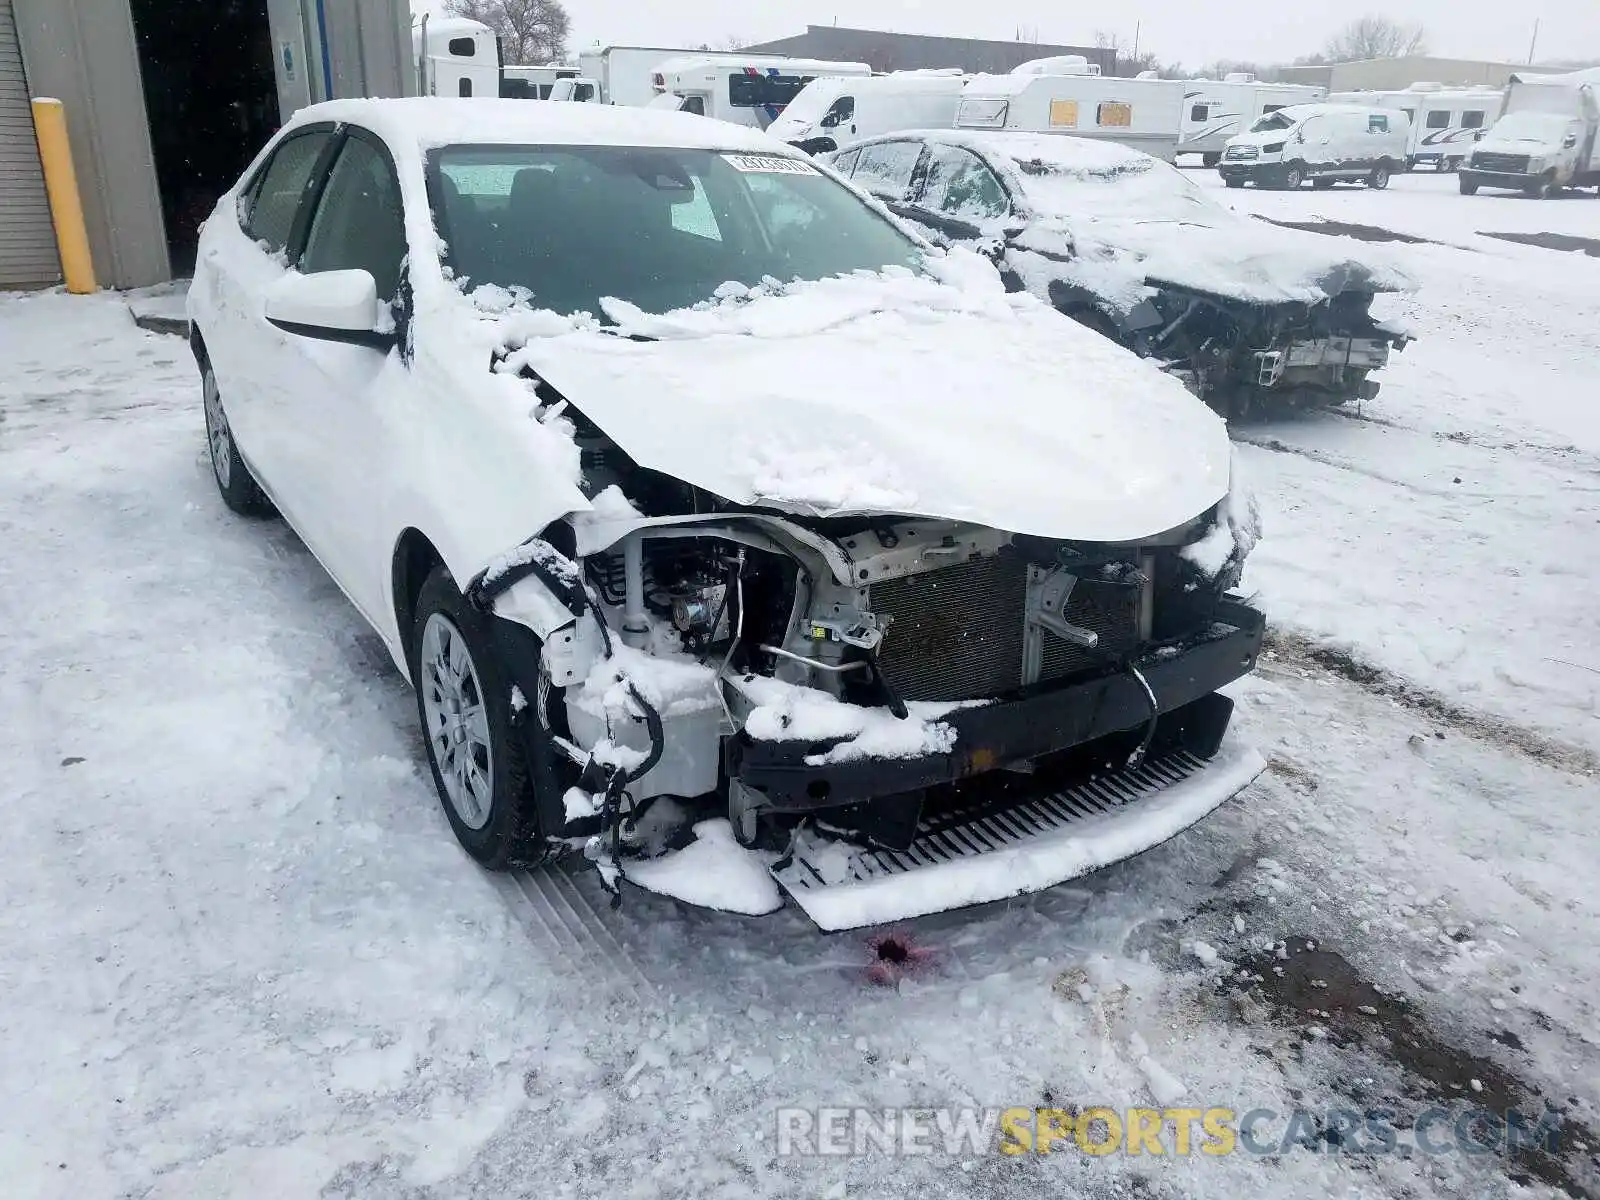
x=884, y=169
x=1438, y=119
x=1377, y=123
x=1472, y=119
x=268, y=210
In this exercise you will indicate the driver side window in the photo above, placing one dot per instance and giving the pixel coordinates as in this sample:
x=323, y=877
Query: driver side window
x=360, y=221
x=885, y=168
x=842, y=113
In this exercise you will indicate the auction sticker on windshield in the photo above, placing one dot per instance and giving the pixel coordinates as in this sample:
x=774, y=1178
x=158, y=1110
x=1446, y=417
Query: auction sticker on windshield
x=770, y=164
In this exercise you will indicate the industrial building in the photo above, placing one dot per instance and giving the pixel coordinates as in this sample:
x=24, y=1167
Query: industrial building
x=166, y=102
x=1393, y=74
x=911, y=51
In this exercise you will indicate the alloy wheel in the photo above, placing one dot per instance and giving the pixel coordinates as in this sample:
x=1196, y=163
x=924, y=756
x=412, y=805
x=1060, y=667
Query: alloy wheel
x=218, y=436
x=457, y=721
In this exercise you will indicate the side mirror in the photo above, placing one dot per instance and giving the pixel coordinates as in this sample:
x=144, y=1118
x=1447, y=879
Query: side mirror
x=331, y=306
x=1568, y=142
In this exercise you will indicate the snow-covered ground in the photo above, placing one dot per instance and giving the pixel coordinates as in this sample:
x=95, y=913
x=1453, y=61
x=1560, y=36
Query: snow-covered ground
x=240, y=954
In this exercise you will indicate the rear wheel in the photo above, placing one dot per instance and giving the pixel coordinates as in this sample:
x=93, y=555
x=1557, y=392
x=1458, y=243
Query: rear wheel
x=1293, y=176
x=464, y=706
x=240, y=492
x=1379, y=178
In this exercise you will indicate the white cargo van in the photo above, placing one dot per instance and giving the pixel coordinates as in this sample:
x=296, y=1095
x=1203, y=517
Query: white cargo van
x=1548, y=139
x=1142, y=113
x=1325, y=143
x=1216, y=109
x=831, y=112
x=745, y=91
x=1445, y=122
x=455, y=57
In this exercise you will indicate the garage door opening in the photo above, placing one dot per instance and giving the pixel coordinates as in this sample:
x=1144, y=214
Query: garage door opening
x=212, y=101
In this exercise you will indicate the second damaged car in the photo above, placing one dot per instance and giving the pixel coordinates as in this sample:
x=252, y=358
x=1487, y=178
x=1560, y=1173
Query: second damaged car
x=725, y=530
x=1251, y=316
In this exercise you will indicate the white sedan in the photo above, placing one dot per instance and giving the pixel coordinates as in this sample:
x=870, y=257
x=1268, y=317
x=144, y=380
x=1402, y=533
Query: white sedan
x=703, y=502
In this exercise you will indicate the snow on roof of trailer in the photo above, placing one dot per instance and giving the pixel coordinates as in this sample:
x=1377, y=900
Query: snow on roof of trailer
x=983, y=85
x=736, y=62
x=426, y=122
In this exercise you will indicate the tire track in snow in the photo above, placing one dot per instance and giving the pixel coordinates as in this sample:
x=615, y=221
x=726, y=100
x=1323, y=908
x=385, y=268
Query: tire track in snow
x=560, y=919
x=1552, y=752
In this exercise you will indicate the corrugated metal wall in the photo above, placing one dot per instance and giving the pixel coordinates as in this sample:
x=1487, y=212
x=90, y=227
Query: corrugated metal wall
x=27, y=239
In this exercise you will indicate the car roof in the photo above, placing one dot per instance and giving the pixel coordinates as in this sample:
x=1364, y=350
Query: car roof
x=1057, y=149
x=421, y=123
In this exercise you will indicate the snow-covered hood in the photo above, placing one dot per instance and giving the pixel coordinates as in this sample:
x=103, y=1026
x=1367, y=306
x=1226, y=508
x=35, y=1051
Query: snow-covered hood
x=1534, y=145
x=896, y=394
x=1221, y=255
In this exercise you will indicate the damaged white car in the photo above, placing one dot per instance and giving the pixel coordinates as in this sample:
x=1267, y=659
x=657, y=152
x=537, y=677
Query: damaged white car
x=717, y=520
x=1251, y=316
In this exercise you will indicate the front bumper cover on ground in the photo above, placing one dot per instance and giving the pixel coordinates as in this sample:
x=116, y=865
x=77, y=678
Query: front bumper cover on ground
x=1041, y=722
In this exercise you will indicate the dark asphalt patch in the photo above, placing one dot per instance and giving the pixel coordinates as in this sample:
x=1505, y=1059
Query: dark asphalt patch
x=1364, y=233
x=1310, y=984
x=1549, y=241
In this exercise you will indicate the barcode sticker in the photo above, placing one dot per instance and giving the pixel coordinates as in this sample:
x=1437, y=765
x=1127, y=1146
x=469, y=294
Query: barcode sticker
x=770, y=164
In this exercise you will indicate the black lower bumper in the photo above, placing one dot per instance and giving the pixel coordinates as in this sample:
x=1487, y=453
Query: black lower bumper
x=1041, y=722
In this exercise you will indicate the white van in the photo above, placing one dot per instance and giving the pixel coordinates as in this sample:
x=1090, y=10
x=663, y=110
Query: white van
x=1324, y=143
x=830, y=112
x=1548, y=139
x=1142, y=113
x=752, y=91
x=456, y=57
x=1445, y=122
x=1214, y=110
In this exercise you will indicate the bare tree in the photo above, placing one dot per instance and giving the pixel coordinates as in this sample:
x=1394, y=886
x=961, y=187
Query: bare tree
x=1375, y=37
x=530, y=31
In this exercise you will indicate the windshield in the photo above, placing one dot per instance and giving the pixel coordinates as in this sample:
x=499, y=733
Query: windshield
x=1132, y=190
x=1273, y=120
x=812, y=104
x=661, y=228
x=1531, y=127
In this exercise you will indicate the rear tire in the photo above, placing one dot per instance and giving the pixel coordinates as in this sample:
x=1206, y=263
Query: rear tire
x=239, y=489
x=474, y=750
x=1379, y=179
x=1293, y=176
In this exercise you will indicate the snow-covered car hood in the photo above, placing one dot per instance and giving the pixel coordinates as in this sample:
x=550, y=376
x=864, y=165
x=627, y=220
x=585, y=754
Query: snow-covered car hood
x=896, y=394
x=1227, y=256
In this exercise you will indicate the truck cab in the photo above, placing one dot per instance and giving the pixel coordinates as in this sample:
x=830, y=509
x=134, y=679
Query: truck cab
x=832, y=112
x=456, y=57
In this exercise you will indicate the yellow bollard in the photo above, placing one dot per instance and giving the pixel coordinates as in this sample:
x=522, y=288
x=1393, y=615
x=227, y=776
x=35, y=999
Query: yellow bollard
x=66, y=207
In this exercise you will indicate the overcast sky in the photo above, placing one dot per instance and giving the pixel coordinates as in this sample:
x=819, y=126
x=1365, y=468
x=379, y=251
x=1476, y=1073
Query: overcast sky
x=1176, y=30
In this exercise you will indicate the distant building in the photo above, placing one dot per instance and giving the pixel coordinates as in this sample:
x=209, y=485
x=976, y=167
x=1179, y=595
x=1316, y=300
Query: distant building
x=1392, y=74
x=912, y=51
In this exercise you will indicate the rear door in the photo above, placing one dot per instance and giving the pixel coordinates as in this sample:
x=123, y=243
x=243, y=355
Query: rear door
x=958, y=195
x=341, y=447
x=245, y=351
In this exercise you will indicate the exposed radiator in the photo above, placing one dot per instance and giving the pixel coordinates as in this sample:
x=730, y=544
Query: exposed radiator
x=1110, y=610
x=957, y=632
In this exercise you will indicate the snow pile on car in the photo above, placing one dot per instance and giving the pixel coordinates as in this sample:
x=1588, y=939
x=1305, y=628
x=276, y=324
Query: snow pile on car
x=1124, y=221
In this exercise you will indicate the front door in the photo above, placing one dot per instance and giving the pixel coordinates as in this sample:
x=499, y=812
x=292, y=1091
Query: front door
x=336, y=391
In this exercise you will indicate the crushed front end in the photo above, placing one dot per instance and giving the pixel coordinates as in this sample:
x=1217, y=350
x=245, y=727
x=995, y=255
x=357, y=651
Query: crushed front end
x=901, y=715
x=1245, y=358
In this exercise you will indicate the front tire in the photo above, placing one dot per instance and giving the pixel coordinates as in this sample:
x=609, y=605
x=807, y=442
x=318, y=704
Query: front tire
x=1210, y=160
x=240, y=492
x=1321, y=185
x=1469, y=187
x=1379, y=179
x=1293, y=177
x=464, y=706
x=1228, y=181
